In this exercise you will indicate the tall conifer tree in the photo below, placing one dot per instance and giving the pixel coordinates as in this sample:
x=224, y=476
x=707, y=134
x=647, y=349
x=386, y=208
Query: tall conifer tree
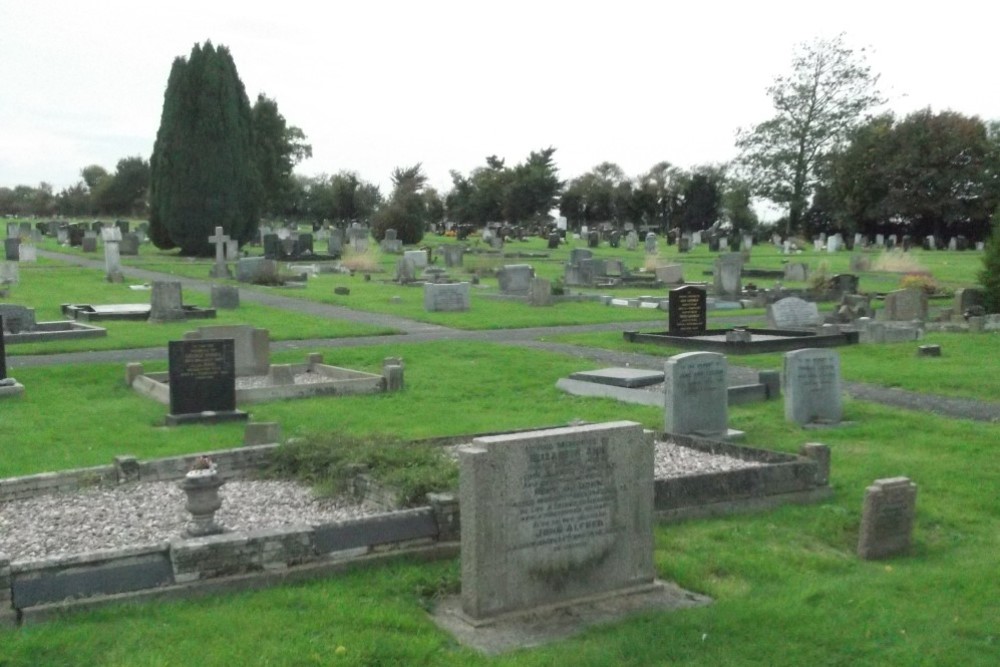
x=203, y=171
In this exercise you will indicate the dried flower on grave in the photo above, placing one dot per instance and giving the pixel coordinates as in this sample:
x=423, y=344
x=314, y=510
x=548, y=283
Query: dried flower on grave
x=921, y=280
x=202, y=463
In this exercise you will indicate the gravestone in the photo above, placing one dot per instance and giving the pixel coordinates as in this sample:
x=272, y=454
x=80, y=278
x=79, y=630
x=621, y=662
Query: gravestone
x=16, y=318
x=3, y=352
x=335, y=244
x=303, y=246
x=554, y=241
x=811, y=384
x=615, y=239
x=671, y=274
x=225, y=297
x=129, y=245
x=390, y=243
x=76, y=236
x=797, y=271
x=27, y=253
x=11, y=248
x=89, y=244
x=112, y=258
x=887, y=518
x=232, y=250
x=551, y=517
x=220, y=269
x=632, y=240
x=256, y=270
x=686, y=311
x=792, y=313
x=684, y=244
x=62, y=235
x=123, y=226
x=593, y=239
x=12, y=230
x=446, y=297
x=723, y=244
x=165, y=302
x=577, y=255
x=416, y=257
x=726, y=273
x=861, y=263
x=515, y=278
x=273, y=249
x=453, y=255
x=747, y=242
x=845, y=283
x=905, y=305
x=252, y=348
x=496, y=242
x=540, y=292
x=650, y=243
x=966, y=298
x=10, y=274
x=696, y=395
x=695, y=239
x=405, y=271
x=202, y=381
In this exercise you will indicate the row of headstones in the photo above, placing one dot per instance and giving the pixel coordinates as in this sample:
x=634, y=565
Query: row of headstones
x=696, y=391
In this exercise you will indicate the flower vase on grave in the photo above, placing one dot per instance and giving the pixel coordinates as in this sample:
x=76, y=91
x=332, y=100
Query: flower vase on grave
x=201, y=486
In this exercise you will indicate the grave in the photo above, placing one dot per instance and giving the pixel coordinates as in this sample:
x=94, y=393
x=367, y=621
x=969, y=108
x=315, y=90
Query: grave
x=258, y=380
x=258, y=270
x=390, y=243
x=446, y=297
x=905, y=305
x=20, y=327
x=27, y=253
x=887, y=518
x=811, y=384
x=540, y=292
x=453, y=255
x=726, y=275
x=696, y=397
x=129, y=245
x=220, y=269
x=11, y=248
x=686, y=311
x=515, y=278
x=89, y=244
x=8, y=385
x=416, y=257
x=632, y=241
x=555, y=517
x=629, y=378
x=166, y=304
x=670, y=274
x=792, y=313
x=10, y=274
x=225, y=297
x=202, y=382
x=650, y=246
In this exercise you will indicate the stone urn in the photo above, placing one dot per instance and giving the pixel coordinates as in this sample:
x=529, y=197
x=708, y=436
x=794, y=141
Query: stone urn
x=202, y=490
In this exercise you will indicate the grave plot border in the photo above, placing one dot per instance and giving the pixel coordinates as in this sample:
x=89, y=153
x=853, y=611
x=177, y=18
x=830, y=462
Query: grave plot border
x=789, y=340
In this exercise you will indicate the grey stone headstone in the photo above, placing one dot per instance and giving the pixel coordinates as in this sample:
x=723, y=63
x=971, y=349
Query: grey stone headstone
x=256, y=269
x=812, y=386
x=9, y=273
x=252, y=346
x=446, y=297
x=887, y=518
x=905, y=305
x=540, y=293
x=965, y=298
x=225, y=297
x=27, y=253
x=515, y=278
x=112, y=260
x=553, y=516
x=793, y=313
x=89, y=243
x=453, y=255
x=416, y=257
x=405, y=271
x=650, y=243
x=165, y=302
x=632, y=240
x=16, y=318
x=671, y=274
x=727, y=273
x=696, y=394
x=11, y=247
x=129, y=244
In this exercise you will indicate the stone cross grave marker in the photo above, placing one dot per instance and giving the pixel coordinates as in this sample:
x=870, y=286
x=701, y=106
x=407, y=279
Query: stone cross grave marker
x=696, y=395
x=202, y=381
x=686, y=311
x=811, y=383
x=219, y=269
x=554, y=516
x=887, y=518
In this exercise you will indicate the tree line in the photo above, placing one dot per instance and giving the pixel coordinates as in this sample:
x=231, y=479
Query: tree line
x=825, y=158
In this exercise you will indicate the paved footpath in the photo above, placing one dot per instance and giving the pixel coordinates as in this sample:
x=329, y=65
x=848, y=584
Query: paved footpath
x=418, y=332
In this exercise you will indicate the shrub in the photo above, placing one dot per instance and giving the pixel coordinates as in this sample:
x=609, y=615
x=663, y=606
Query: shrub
x=897, y=261
x=923, y=281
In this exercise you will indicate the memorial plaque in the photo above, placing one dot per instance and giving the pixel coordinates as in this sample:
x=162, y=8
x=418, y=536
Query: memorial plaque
x=812, y=386
x=887, y=518
x=553, y=516
x=202, y=376
x=686, y=311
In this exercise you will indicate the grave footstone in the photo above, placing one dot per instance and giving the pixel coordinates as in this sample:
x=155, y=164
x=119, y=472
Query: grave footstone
x=887, y=518
x=686, y=311
x=549, y=517
x=811, y=384
x=793, y=313
x=202, y=381
x=696, y=395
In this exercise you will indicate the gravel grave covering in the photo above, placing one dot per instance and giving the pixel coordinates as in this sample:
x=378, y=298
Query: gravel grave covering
x=149, y=513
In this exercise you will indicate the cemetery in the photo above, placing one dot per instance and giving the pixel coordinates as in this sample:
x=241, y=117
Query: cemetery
x=526, y=520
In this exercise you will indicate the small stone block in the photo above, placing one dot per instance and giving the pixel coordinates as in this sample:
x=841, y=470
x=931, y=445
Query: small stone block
x=929, y=351
x=620, y=377
x=281, y=374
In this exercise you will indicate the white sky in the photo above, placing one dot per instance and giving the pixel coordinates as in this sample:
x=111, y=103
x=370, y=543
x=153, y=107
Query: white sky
x=379, y=84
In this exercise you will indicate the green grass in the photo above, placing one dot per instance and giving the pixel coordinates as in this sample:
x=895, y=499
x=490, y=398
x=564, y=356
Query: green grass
x=966, y=368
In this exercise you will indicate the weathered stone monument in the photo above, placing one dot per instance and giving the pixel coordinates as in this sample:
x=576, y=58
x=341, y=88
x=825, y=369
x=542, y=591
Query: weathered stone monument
x=555, y=516
x=651, y=247
x=540, y=292
x=220, y=269
x=727, y=273
x=670, y=274
x=793, y=313
x=696, y=395
x=905, y=305
x=165, y=301
x=887, y=518
x=446, y=297
x=515, y=278
x=225, y=297
x=811, y=382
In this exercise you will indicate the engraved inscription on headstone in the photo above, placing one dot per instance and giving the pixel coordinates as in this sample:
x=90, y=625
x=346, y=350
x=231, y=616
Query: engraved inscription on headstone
x=792, y=313
x=696, y=394
x=686, y=311
x=202, y=376
x=811, y=381
x=887, y=518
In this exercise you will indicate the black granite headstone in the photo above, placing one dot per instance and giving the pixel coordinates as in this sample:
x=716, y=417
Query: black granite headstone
x=12, y=249
x=202, y=378
x=554, y=241
x=303, y=246
x=76, y=236
x=272, y=247
x=687, y=311
x=123, y=225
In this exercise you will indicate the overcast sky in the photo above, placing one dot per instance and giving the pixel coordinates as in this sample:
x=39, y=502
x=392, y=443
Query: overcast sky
x=375, y=85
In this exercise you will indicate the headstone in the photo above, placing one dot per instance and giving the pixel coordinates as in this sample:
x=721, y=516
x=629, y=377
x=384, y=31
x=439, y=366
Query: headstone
x=540, y=292
x=554, y=240
x=62, y=237
x=684, y=244
x=811, y=383
x=695, y=239
x=553, y=516
x=129, y=244
x=232, y=250
x=12, y=230
x=980, y=246
x=123, y=226
x=273, y=249
x=225, y=297
x=797, y=271
x=747, y=242
x=686, y=311
x=845, y=283
x=202, y=379
x=16, y=318
x=446, y=297
x=696, y=399
x=89, y=244
x=453, y=255
x=905, y=305
x=593, y=239
x=252, y=348
x=723, y=244
x=632, y=240
x=496, y=242
x=27, y=253
x=650, y=243
x=11, y=248
x=76, y=236
x=165, y=302
x=515, y=278
x=112, y=259
x=880, y=240
x=303, y=246
x=220, y=269
x=671, y=274
x=24, y=229
x=860, y=263
x=966, y=298
x=887, y=518
x=416, y=257
x=256, y=270
x=727, y=274
x=793, y=313
x=405, y=271
x=615, y=239
x=335, y=244
x=929, y=243
x=9, y=273
x=111, y=234
x=786, y=247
